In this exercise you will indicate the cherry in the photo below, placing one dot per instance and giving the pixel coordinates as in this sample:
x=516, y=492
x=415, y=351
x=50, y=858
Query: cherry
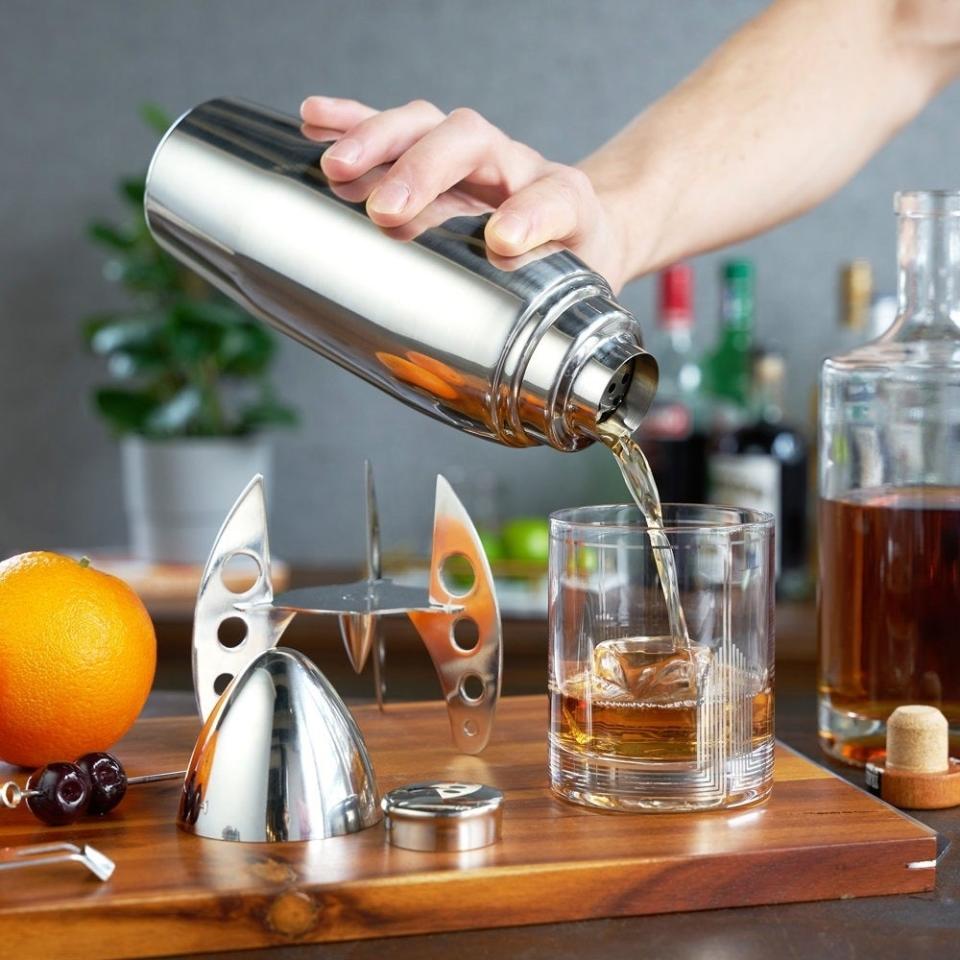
x=107, y=779
x=62, y=793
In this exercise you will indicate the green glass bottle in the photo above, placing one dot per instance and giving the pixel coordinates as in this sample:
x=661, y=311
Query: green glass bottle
x=727, y=368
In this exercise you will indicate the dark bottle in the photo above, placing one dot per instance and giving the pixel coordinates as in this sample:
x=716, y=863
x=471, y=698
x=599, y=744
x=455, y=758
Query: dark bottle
x=672, y=435
x=763, y=465
x=727, y=367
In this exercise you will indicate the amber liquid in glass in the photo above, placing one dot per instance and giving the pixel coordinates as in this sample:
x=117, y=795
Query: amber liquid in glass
x=641, y=730
x=889, y=619
x=662, y=705
x=639, y=699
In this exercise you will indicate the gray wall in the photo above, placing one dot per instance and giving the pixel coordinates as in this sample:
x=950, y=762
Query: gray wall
x=560, y=74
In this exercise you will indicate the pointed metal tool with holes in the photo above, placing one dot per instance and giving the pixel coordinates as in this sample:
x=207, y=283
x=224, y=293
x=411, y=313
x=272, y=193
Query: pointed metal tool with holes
x=456, y=615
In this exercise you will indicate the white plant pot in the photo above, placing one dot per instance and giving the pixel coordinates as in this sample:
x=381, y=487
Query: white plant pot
x=177, y=492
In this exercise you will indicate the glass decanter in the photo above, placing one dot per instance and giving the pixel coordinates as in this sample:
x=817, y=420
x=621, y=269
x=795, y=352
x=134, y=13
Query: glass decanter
x=889, y=512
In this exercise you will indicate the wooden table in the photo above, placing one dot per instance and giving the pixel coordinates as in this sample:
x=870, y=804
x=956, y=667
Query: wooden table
x=879, y=928
x=817, y=837
x=876, y=928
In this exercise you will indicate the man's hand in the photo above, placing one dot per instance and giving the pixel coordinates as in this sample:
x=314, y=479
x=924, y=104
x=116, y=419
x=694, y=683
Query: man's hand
x=427, y=153
x=777, y=118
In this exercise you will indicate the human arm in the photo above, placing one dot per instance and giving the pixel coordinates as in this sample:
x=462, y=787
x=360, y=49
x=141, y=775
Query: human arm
x=777, y=118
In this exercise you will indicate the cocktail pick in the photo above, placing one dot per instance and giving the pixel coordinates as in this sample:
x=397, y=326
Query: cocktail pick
x=61, y=793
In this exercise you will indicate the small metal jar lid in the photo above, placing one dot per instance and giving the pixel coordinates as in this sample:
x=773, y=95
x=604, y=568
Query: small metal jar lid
x=443, y=816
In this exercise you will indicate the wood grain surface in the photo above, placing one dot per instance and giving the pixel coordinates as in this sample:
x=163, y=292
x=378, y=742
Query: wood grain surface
x=817, y=838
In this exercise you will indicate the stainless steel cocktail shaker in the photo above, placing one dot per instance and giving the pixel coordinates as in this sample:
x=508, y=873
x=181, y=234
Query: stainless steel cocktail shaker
x=537, y=354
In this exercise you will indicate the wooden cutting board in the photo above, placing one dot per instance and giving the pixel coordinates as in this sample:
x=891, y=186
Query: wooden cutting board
x=817, y=838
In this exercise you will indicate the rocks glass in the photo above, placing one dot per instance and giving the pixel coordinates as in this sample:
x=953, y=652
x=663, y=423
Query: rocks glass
x=641, y=719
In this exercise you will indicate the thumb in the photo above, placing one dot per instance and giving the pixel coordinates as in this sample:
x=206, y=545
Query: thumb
x=555, y=207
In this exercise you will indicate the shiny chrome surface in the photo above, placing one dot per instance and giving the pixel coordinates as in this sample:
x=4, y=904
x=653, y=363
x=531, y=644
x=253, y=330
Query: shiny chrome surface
x=358, y=630
x=279, y=758
x=531, y=351
x=469, y=673
x=443, y=816
x=469, y=676
x=360, y=599
x=371, y=517
x=244, y=533
x=16, y=858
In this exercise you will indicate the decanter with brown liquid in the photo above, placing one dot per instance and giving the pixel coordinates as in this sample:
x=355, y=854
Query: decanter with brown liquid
x=889, y=586
x=889, y=515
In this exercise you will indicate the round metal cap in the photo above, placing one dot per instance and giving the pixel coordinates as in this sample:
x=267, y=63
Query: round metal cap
x=443, y=816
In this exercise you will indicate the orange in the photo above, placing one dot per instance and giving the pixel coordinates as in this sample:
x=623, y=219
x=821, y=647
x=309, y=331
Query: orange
x=77, y=657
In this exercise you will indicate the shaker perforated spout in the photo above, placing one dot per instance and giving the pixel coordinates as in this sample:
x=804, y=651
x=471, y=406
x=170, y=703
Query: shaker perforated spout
x=531, y=351
x=279, y=758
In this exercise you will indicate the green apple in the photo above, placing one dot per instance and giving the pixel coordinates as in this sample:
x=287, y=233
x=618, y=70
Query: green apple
x=527, y=539
x=492, y=545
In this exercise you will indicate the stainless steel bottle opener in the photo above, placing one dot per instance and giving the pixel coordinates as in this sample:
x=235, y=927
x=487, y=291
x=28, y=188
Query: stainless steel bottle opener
x=469, y=673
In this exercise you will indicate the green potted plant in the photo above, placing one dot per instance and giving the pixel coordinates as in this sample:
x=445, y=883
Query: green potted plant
x=190, y=396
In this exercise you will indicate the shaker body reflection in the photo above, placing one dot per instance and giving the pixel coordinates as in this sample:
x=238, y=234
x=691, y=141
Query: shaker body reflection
x=537, y=354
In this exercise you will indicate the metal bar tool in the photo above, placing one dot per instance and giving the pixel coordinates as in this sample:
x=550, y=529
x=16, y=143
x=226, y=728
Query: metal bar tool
x=469, y=674
x=16, y=858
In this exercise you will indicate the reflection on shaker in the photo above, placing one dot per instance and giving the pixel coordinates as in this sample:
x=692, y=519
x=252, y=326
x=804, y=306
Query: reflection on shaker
x=235, y=191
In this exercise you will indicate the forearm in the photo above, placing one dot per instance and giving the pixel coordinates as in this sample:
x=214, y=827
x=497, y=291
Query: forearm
x=780, y=116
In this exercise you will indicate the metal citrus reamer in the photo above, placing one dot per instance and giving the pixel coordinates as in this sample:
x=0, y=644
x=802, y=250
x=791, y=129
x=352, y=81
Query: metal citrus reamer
x=469, y=673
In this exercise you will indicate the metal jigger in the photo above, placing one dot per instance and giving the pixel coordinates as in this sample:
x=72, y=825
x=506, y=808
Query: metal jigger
x=279, y=758
x=469, y=673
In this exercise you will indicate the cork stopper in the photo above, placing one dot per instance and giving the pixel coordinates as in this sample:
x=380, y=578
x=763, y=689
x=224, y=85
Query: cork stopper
x=918, y=740
x=919, y=773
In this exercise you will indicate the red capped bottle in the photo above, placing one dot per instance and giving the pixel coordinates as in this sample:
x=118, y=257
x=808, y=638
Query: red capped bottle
x=672, y=434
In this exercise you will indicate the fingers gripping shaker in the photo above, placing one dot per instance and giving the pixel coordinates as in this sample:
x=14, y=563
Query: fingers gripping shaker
x=538, y=354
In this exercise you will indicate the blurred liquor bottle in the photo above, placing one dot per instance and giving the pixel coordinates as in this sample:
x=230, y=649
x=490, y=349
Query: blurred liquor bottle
x=854, y=321
x=727, y=368
x=763, y=465
x=856, y=296
x=862, y=316
x=672, y=434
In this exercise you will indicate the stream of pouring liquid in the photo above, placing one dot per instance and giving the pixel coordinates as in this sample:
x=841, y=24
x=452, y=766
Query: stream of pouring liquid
x=639, y=480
